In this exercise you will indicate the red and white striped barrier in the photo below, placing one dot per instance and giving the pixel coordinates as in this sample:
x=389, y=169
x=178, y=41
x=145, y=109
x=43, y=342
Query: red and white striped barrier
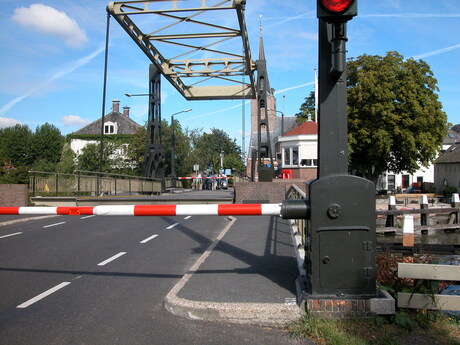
x=153, y=210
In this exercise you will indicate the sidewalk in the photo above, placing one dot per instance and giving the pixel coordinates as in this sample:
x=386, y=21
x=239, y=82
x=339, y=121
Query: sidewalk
x=246, y=276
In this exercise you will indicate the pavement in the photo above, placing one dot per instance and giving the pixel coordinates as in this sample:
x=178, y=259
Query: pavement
x=247, y=275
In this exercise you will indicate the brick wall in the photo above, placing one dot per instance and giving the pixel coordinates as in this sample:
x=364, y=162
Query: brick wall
x=271, y=192
x=14, y=195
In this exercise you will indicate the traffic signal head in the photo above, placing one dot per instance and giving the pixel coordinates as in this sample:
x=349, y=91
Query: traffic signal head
x=337, y=11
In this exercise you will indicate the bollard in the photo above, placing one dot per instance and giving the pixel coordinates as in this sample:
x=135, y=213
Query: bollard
x=424, y=216
x=453, y=218
x=391, y=206
x=408, y=231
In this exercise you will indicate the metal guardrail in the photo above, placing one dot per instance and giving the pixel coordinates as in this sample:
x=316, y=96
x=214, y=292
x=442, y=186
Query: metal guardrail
x=91, y=184
x=295, y=193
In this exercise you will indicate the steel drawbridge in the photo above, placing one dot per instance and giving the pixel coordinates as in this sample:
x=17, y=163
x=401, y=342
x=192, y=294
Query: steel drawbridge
x=200, y=46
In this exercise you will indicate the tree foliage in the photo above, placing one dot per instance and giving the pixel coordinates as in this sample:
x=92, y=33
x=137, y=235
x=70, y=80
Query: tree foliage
x=395, y=120
x=46, y=147
x=307, y=108
x=14, y=145
x=208, y=147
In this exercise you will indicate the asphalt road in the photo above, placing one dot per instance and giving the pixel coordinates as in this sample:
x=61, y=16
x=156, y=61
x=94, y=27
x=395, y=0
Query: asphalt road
x=102, y=280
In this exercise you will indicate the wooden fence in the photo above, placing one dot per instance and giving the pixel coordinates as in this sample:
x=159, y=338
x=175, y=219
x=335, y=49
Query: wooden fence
x=429, y=272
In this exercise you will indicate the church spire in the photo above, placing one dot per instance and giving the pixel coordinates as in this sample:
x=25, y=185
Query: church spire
x=261, y=40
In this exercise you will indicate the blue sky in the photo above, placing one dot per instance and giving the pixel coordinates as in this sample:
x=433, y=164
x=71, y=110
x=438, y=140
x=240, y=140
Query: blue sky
x=52, y=59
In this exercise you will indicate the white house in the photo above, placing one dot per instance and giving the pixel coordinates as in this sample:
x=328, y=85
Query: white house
x=299, y=151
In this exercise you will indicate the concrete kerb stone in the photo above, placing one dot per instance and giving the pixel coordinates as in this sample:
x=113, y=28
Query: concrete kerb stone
x=263, y=314
x=22, y=220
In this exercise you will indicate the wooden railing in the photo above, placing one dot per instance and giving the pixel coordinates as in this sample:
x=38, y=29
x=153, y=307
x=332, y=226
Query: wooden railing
x=452, y=215
x=429, y=272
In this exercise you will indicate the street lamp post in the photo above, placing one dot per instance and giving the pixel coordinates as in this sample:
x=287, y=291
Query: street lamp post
x=282, y=119
x=173, y=154
x=136, y=94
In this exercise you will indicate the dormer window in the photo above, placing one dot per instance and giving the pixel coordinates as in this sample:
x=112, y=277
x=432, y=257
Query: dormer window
x=110, y=128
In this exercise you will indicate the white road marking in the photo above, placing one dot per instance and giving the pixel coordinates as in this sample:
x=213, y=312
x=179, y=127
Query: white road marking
x=172, y=226
x=49, y=226
x=105, y=262
x=43, y=295
x=16, y=233
x=148, y=239
x=188, y=217
x=290, y=301
x=93, y=215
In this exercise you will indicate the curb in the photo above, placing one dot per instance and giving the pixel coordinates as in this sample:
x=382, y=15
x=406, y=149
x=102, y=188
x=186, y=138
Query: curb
x=262, y=314
x=22, y=220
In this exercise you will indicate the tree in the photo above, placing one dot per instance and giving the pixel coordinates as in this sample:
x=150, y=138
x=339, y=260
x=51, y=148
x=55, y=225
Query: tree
x=207, y=148
x=307, y=109
x=395, y=120
x=46, y=147
x=66, y=164
x=14, y=145
x=136, y=149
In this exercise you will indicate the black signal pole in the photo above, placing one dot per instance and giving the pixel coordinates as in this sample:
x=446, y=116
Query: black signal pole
x=340, y=245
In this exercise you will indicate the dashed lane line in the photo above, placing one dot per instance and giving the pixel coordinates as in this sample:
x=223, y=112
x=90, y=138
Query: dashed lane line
x=148, y=239
x=42, y=295
x=55, y=224
x=15, y=234
x=172, y=226
x=105, y=262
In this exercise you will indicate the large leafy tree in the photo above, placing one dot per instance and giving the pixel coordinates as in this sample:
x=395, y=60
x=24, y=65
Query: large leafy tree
x=395, y=119
x=46, y=147
x=15, y=145
x=208, y=147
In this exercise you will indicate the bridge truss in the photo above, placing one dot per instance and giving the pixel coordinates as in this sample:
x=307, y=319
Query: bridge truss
x=200, y=46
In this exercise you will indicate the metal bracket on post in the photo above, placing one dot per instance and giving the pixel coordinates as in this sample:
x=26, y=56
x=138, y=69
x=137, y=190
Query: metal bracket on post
x=339, y=50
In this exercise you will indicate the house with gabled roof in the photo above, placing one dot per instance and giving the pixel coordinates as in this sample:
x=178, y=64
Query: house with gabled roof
x=447, y=168
x=298, y=149
x=390, y=181
x=117, y=127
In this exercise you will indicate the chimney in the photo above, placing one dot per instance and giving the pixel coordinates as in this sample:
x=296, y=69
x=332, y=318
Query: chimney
x=126, y=111
x=115, y=106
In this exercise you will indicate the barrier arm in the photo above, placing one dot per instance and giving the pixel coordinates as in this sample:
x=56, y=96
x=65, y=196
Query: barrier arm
x=288, y=209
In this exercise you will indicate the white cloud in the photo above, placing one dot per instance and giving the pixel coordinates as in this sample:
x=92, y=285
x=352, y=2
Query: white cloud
x=8, y=122
x=74, y=120
x=50, y=21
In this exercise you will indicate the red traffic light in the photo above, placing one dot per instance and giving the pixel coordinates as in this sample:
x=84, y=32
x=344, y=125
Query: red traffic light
x=336, y=6
x=337, y=11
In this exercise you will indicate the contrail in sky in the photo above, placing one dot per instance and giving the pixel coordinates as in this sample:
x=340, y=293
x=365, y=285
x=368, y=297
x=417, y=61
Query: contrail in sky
x=74, y=66
x=412, y=15
x=436, y=52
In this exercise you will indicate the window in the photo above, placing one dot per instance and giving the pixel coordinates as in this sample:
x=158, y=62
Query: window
x=309, y=162
x=109, y=129
x=405, y=181
x=391, y=182
x=287, y=156
x=295, y=156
